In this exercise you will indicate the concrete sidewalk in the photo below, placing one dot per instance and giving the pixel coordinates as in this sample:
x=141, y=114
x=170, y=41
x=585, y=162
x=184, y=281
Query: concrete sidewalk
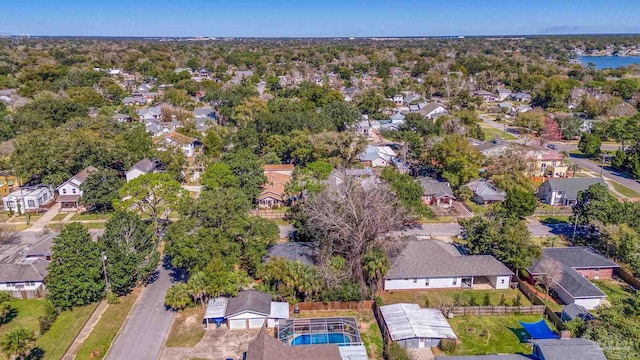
x=86, y=331
x=42, y=223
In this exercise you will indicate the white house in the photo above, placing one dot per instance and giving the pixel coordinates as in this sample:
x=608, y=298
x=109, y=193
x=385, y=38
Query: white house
x=503, y=94
x=485, y=95
x=431, y=264
x=414, y=327
x=249, y=310
x=150, y=113
x=27, y=274
x=28, y=198
x=378, y=156
x=432, y=110
x=142, y=167
x=564, y=191
x=173, y=139
x=70, y=192
x=398, y=99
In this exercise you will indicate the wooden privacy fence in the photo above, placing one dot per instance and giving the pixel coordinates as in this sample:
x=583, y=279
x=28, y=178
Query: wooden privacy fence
x=269, y=214
x=28, y=294
x=335, y=305
x=627, y=277
x=497, y=310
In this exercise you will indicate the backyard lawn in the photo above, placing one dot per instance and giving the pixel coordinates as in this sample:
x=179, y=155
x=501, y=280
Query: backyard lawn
x=98, y=342
x=615, y=290
x=448, y=297
x=492, y=133
x=482, y=335
x=186, y=330
x=478, y=209
x=369, y=331
x=55, y=341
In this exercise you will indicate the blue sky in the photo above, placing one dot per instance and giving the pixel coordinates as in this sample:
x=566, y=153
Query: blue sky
x=316, y=18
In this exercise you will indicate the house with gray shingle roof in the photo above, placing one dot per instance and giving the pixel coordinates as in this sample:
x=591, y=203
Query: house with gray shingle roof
x=28, y=274
x=578, y=266
x=142, y=167
x=436, y=192
x=550, y=349
x=564, y=191
x=431, y=264
x=485, y=192
x=250, y=309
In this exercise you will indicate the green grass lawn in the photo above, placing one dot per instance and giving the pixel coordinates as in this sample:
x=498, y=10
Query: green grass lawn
x=615, y=290
x=99, y=341
x=441, y=297
x=478, y=209
x=23, y=218
x=492, y=133
x=438, y=220
x=55, y=342
x=91, y=216
x=550, y=241
x=59, y=217
x=94, y=225
x=554, y=219
x=482, y=335
x=630, y=193
x=186, y=330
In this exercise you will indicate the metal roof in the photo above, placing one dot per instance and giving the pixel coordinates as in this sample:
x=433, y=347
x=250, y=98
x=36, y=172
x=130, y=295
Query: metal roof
x=216, y=308
x=355, y=352
x=279, y=310
x=407, y=321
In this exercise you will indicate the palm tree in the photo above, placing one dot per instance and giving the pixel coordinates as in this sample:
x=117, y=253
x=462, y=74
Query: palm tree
x=573, y=167
x=375, y=266
x=18, y=343
x=178, y=297
x=197, y=287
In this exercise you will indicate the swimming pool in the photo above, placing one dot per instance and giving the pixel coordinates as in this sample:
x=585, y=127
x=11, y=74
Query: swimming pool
x=311, y=339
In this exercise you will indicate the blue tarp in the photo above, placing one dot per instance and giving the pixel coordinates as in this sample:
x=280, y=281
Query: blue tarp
x=539, y=330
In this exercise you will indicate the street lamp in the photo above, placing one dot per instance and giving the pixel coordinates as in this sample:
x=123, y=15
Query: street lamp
x=104, y=269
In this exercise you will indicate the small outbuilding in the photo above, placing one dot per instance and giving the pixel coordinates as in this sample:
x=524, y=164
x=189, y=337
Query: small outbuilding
x=414, y=327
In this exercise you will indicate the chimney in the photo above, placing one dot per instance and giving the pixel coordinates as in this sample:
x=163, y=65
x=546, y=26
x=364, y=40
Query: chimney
x=565, y=334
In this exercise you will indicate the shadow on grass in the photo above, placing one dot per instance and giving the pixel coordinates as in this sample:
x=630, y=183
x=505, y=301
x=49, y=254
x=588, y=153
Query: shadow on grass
x=9, y=316
x=522, y=335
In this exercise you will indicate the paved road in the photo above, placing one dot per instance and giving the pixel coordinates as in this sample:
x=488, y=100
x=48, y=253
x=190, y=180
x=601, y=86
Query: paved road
x=146, y=326
x=608, y=172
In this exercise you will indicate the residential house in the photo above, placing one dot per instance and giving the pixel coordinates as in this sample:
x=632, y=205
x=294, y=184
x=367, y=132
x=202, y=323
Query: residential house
x=5, y=95
x=121, y=118
x=503, y=94
x=365, y=176
x=521, y=97
x=432, y=110
x=173, y=139
x=494, y=148
x=28, y=198
x=485, y=192
x=349, y=94
x=378, y=156
x=446, y=268
x=142, y=167
x=26, y=275
x=436, y=192
x=505, y=106
x=545, y=163
x=8, y=182
x=572, y=311
x=70, y=191
x=398, y=99
x=549, y=349
x=564, y=191
x=363, y=128
x=266, y=347
x=414, y=327
x=151, y=113
x=411, y=99
x=486, y=96
x=134, y=100
x=114, y=72
x=587, y=125
x=251, y=309
x=576, y=266
x=41, y=249
x=273, y=191
x=515, y=110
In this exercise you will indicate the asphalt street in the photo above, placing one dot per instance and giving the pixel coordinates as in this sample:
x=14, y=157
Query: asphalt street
x=147, y=325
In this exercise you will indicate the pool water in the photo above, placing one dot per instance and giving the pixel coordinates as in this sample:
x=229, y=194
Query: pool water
x=312, y=339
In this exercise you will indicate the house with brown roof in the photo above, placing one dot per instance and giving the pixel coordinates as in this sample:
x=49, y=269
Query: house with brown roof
x=273, y=191
x=70, y=192
x=266, y=347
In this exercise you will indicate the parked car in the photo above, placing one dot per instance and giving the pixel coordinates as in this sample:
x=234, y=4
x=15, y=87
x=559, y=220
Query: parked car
x=553, y=146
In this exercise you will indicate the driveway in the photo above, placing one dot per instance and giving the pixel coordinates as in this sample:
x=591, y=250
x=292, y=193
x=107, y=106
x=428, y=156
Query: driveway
x=147, y=325
x=217, y=344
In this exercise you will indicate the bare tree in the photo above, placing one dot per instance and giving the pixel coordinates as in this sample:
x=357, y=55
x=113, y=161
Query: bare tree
x=552, y=273
x=8, y=233
x=351, y=217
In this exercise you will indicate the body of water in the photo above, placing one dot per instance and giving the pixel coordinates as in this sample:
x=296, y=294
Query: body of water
x=609, y=62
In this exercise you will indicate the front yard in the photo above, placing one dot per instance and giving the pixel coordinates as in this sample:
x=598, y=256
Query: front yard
x=482, y=335
x=186, y=329
x=436, y=298
x=55, y=341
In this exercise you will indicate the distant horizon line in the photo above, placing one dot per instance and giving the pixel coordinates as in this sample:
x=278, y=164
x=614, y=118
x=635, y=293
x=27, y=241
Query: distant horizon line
x=390, y=37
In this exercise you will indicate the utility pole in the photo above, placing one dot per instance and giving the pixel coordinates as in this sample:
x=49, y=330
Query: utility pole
x=602, y=167
x=103, y=256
